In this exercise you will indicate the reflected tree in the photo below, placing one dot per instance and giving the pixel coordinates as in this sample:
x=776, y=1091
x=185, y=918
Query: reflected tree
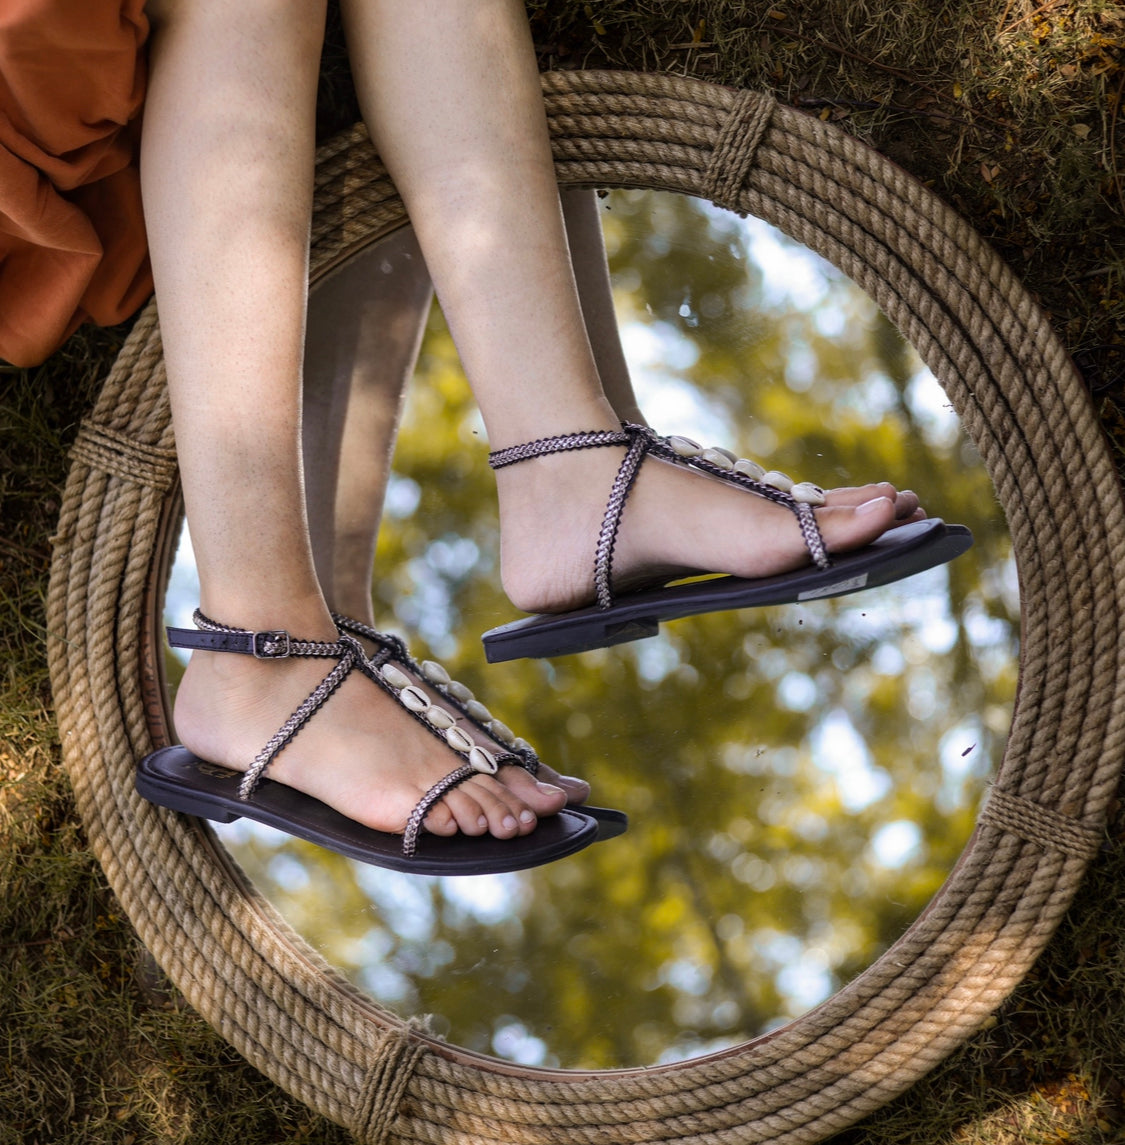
x=799, y=781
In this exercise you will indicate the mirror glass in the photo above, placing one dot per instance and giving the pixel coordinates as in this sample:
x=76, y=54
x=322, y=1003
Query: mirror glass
x=799, y=780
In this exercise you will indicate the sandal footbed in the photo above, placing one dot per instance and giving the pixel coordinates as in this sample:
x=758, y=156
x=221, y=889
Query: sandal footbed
x=175, y=778
x=897, y=554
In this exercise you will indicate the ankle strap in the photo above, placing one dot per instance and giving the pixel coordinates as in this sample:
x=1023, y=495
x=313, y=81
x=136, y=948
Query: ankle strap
x=269, y=644
x=590, y=439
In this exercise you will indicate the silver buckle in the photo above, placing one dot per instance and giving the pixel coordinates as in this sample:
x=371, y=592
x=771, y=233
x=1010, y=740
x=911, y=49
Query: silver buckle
x=277, y=636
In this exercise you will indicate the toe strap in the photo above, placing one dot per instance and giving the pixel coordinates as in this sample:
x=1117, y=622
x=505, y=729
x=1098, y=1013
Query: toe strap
x=435, y=794
x=386, y=668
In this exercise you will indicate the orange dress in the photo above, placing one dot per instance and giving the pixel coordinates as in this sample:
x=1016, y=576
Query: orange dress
x=72, y=237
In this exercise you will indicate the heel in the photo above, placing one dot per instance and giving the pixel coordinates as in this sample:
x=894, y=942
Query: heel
x=176, y=799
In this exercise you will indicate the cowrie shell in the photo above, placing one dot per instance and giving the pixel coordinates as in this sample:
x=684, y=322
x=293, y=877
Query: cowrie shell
x=458, y=691
x=500, y=731
x=807, y=492
x=439, y=717
x=458, y=740
x=749, y=468
x=717, y=457
x=477, y=711
x=482, y=760
x=684, y=446
x=396, y=677
x=414, y=698
x=520, y=744
x=434, y=672
x=778, y=480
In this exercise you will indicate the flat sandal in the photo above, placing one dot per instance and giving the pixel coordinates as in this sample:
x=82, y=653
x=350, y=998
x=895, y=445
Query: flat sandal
x=617, y=619
x=175, y=778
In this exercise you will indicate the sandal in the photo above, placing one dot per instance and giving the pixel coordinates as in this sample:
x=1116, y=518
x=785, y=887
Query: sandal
x=175, y=778
x=898, y=553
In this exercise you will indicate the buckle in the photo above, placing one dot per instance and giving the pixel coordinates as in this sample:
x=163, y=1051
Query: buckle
x=277, y=637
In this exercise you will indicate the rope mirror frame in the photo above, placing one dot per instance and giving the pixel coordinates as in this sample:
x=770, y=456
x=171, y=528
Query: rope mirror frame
x=1027, y=411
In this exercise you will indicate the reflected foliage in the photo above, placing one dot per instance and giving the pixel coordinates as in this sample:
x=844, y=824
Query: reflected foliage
x=799, y=781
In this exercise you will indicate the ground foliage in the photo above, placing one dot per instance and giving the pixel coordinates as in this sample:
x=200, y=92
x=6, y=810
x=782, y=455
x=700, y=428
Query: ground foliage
x=1010, y=110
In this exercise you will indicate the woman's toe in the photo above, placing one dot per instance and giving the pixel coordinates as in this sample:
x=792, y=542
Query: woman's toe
x=441, y=821
x=844, y=529
x=906, y=505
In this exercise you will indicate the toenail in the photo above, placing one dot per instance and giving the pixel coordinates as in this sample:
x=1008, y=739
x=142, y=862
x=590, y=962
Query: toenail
x=509, y=823
x=551, y=788
x=527, y=816
x=482, y=821
x=872, y=506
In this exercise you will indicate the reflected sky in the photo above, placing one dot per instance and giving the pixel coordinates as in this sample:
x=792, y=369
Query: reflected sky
x=798, y=780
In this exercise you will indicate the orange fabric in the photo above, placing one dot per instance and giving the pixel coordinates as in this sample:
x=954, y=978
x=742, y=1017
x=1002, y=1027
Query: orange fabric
x=72, y=238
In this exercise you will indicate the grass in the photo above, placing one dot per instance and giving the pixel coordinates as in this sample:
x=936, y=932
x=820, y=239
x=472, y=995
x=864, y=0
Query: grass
x=1011, y=110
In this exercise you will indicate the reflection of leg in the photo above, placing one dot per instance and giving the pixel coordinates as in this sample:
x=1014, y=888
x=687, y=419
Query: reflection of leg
x=365, y=327
x=451, y=95
x=587, y=254
x=227, y=179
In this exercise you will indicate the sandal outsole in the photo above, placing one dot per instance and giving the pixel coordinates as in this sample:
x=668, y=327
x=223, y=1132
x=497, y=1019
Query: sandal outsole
x=897, y=554
x=173, y=777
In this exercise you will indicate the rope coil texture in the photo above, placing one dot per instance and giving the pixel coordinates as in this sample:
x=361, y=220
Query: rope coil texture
x=1023, y=405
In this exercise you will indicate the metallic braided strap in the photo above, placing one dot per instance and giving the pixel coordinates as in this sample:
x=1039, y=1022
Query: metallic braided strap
x=642, y=441
x=392, y=650
x=806, y=518
x=426, y=804
x=622, y=486
x=544, y=445
x=312, y=704
x=271, y=644
x=275, y=644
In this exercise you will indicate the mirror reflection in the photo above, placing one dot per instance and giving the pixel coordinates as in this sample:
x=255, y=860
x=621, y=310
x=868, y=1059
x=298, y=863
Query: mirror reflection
x=798, y=780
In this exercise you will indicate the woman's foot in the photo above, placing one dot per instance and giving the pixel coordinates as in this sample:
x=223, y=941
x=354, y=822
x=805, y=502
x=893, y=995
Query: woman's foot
x=577, y=790
x=677, y=522
x=362, y=754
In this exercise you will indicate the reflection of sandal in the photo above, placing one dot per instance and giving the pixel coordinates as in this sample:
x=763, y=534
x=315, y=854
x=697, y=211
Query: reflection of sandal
x=175, y=778
x=898, y=553
x=390, y=649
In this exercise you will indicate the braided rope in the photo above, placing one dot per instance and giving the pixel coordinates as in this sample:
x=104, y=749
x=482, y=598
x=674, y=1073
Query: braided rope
x=1025, y=408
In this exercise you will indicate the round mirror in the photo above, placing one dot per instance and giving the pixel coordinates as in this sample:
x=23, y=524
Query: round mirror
x=799, y=780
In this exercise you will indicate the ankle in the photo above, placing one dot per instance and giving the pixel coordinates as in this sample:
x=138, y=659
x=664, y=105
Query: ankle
x=306, y=617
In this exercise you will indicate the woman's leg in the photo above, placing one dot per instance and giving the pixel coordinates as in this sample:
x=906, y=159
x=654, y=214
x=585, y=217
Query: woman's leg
x=227, y=172
x=451, y=95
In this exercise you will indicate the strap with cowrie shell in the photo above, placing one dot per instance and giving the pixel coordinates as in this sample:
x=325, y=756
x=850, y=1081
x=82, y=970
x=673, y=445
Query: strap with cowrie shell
x=391, y=652
x=799, y=497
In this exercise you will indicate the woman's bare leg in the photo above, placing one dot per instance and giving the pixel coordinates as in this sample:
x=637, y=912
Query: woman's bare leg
x=451, y=95
x=227, y=171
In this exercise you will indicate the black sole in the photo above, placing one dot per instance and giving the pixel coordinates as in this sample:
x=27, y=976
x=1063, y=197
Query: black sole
x=173, y=777
x=898, y=554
